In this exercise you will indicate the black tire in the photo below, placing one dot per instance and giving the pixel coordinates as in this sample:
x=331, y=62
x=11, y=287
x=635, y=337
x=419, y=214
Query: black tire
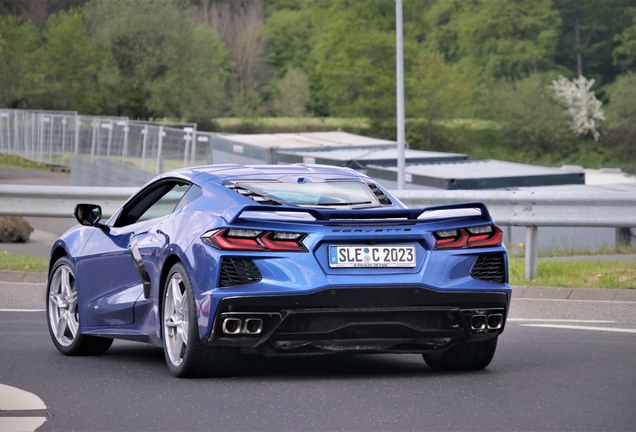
x=63, y=315
x=186, y=355
x=463, y=356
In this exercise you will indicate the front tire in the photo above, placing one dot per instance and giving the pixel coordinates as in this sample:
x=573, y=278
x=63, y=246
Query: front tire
x=186, y=355
x=463, y=356
x=63, y=315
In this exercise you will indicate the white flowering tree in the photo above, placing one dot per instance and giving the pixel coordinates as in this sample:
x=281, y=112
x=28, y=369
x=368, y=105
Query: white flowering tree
x=581, y=103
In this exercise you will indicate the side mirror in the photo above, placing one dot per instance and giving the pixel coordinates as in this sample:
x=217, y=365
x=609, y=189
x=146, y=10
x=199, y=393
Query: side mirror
x=89, y=215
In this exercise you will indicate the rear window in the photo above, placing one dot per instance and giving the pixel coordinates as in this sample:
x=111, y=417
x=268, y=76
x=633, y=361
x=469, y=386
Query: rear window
x=330, y=194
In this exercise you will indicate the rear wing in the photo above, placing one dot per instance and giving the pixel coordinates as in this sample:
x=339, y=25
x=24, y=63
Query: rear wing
x=370, y=215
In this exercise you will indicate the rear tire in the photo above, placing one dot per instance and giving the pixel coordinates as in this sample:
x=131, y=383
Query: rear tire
x=186, y=355
x=62, y=312
x=463, y=356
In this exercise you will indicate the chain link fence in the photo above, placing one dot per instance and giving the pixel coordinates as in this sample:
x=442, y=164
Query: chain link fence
x=55, y=137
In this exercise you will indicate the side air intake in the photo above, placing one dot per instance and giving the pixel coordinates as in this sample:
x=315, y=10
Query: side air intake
x=251, y=195
x=382, y=198
x=490, y=268
x=238, y=271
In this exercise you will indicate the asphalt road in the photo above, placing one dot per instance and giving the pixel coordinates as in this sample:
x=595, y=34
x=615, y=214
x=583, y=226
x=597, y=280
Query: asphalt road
x=542, y=378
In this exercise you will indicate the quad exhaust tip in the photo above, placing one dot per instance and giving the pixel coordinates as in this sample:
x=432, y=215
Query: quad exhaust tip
x=482, y=322
x=234, y=326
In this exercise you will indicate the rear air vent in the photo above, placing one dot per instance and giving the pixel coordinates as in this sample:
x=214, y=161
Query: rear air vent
x=238, y=271
x=490, y=268
x=382, y=198
x=251, y=195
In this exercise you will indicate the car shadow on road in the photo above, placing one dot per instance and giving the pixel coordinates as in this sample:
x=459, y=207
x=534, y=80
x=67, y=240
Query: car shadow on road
x=250, y=366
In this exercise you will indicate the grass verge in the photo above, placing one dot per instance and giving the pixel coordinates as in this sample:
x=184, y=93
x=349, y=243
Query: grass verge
x=17, y=161
x=576, y=274
x=22, y=262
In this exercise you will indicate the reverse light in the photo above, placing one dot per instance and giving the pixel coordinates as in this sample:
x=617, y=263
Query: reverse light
x=254, y=240
x=480, y=236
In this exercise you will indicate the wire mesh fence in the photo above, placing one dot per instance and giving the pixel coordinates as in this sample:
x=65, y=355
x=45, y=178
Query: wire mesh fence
x=54, y=137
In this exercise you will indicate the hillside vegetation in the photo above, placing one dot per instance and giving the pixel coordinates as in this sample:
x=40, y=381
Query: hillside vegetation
x=493, y=63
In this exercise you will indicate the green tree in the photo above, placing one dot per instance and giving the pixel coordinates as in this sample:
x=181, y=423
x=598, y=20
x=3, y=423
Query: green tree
x=156, y=52
x=194, y=89
x=293, y=94
x=72, y=65
x=436, y=91
x=354, y=60
x=289, y=33
x=587, y=36
x=625, y=53
x=20, y=79
x=620, y=126
x=495, y=39
x=533, y=123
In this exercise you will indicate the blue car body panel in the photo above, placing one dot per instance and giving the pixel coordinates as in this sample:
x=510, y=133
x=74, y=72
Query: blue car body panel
x=111, y=295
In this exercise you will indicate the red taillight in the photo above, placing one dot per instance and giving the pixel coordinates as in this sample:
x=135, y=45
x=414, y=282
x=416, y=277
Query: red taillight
x=254, y=240
x=482, y=236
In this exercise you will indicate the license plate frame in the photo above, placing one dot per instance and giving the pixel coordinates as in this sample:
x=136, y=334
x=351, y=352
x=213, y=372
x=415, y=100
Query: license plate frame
x=375, y=256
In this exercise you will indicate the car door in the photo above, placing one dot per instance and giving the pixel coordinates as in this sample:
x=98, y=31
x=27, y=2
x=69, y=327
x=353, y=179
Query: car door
x=113, y=274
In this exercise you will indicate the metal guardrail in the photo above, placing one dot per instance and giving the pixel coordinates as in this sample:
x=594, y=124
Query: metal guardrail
x=508, y=208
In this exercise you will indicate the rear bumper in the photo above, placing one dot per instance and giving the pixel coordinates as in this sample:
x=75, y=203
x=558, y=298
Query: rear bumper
x=396, y=319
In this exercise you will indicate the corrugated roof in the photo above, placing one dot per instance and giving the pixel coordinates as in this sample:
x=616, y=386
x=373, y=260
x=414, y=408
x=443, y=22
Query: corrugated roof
x=489, y=174
x=307, y=140
x=358, y=158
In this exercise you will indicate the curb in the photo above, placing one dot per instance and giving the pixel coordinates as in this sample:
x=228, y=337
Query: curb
x=554, y=293
x=23, y=276
x=518, y=292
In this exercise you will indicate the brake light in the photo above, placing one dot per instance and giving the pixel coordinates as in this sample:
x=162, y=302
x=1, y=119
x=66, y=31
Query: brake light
x=481, y=236
x=254, y=240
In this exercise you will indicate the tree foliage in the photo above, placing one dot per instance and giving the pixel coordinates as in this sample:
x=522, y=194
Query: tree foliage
x=73, y=62
x=496, y=39
x=19, y=77
x=534, y=124
x=199, y=59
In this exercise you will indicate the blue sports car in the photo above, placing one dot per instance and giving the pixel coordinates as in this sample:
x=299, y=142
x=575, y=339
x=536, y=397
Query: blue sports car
x=213, y=261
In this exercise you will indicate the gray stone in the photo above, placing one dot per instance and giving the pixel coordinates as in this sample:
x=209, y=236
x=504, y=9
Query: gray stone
x=14, y=229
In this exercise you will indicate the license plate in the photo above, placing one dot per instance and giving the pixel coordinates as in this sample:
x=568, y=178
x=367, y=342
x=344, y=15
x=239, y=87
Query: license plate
x=372, y=256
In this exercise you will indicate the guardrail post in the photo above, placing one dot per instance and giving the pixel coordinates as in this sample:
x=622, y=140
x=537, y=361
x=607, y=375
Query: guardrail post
x=623, y=237
x=532, y=252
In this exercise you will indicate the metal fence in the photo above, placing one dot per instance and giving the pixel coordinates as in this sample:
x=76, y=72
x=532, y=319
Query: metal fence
x=54, y=137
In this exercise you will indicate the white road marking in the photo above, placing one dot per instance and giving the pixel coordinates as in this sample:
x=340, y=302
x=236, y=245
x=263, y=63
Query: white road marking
x=559, y=320
x=22, y=310
x=13, y=399
x=607, y=329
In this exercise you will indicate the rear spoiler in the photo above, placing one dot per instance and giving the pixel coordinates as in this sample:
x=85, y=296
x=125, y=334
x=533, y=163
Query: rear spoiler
x=314, y=215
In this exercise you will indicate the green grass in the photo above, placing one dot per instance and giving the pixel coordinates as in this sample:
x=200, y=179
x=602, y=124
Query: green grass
x=576, y=274
x=16, y=161
x=293, y=122
x=22, y=262
x=517, y=251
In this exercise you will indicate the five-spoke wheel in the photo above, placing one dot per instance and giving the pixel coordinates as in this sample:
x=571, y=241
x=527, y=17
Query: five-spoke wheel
x=63, y=314
x=176, y=318
x=186, y=354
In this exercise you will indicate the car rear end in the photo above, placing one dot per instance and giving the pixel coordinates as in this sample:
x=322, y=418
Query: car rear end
x=303, y=280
